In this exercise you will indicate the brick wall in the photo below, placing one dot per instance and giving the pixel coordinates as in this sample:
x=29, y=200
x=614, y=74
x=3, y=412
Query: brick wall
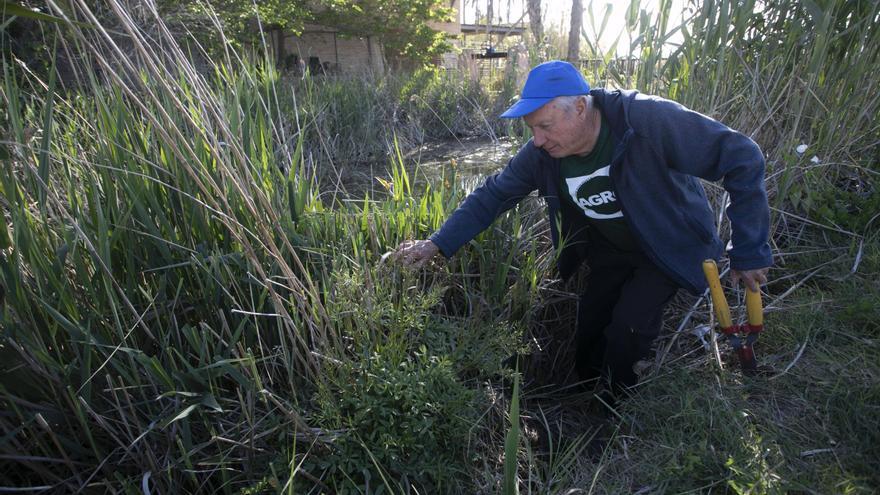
x=342, y=54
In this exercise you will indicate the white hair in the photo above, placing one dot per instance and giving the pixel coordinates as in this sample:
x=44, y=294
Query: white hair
x=567, y=103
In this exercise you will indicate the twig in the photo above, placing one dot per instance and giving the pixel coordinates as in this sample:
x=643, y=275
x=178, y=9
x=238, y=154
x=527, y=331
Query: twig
x=817, y=224
x=794, y=287
x=46, y=427
x=314, y=433
x=661, y=357
x=808, y=453
x=856, y=262
x=26, y=489
x=793, y=361
x=713, y=336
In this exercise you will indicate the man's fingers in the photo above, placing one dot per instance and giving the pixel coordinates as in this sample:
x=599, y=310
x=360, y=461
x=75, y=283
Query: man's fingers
x=405, y=245
x=752, y=285
x=753, y=279
x=415, y=253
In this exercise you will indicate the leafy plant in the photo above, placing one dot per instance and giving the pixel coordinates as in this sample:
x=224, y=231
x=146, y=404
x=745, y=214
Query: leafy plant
x=405, y=418
x=511, y=444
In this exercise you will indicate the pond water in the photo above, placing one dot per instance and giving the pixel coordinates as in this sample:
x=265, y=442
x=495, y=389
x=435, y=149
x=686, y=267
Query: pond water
x=474, y=159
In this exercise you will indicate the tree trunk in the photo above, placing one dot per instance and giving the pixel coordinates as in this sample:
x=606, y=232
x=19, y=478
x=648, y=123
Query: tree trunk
x=574, y=34
x=489, y=15
x=279, y=47
x=534, y=8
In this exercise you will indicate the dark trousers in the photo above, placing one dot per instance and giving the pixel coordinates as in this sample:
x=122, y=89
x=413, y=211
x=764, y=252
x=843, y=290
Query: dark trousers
x=619, y=314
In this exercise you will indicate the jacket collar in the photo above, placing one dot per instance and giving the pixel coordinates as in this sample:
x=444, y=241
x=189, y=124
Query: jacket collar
x=612, y=104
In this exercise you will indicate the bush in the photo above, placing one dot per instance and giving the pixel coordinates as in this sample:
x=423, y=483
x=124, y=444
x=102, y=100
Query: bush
x=401, y=420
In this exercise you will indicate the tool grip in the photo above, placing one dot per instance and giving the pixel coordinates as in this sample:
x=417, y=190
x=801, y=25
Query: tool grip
x=755, y=310
x=722, y=310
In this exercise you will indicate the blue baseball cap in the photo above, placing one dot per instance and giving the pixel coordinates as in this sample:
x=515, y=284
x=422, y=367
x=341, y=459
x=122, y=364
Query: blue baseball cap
x=545, y=82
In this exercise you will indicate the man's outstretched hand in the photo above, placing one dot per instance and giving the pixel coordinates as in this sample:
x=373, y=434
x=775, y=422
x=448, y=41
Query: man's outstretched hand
x=752, y=278
x=415, y=253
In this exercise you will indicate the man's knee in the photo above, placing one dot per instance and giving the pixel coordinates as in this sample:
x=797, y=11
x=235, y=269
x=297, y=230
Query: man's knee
x=635, y=323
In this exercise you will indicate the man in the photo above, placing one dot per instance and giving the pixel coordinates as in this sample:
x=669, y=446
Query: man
x=619, y=172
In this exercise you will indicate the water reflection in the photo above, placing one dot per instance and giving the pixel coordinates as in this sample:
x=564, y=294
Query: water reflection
x=473, y=159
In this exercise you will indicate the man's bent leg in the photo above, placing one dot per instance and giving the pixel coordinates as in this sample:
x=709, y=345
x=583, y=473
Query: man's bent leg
x=594, y=314
x=636, y=322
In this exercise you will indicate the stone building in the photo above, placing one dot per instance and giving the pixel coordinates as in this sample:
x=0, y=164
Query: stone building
x=323, y=49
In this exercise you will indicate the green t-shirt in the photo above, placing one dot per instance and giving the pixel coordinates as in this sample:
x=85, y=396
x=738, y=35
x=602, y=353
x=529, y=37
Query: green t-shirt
x=585, y=184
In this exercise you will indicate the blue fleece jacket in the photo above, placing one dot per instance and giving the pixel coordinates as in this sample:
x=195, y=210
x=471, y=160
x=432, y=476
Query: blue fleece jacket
x=663, y=149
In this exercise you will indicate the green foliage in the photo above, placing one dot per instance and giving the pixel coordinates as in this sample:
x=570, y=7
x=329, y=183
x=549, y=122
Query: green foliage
x=863, y=311
x=183, y=286
x=372, y=312
x=11, y=9
x=166, y=252
x=816, y=44
x=357, y=119
x=511, y=444
x=860, y=307
x=448, y=104
x=401, y=406
x=784, y=73
x=238, y=18
x=400, y=419
x=852, y=208
x=478, y=349
x=401, y=25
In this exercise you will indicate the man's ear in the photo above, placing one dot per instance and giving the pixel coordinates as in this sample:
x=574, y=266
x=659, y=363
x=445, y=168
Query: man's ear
x=580, y=106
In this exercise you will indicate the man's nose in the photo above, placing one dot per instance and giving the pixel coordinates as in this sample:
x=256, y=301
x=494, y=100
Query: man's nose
x=538, y=138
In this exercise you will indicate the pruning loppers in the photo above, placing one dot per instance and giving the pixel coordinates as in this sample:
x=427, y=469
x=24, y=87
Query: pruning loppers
x=742, y=337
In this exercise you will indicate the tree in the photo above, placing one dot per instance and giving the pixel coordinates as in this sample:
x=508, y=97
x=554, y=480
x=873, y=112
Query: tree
x=401, y=25
x=534, y=9
x=238, y=17
x=574, y=33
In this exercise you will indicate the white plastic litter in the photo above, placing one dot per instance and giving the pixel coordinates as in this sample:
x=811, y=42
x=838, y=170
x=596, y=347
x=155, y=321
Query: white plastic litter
x=700, y=332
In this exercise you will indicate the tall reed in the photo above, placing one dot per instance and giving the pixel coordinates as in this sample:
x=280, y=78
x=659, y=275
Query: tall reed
x=785, y=73
x=192, y=302
x=180, y=288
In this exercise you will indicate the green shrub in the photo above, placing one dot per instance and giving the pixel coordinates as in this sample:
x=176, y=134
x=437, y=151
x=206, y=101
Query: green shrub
x=852, y=210
x=399, y=419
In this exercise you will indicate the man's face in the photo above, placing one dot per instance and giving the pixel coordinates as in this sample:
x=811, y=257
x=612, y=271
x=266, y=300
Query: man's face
x=559, y=131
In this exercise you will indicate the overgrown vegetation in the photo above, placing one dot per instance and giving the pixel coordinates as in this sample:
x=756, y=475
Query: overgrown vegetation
x=177, y=281
x=194, y=302
x=805, y=428
x=403, y=27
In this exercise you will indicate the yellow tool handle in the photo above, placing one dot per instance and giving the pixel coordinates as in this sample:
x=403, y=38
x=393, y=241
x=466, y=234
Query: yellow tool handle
x=754, y=308
x=722, y=310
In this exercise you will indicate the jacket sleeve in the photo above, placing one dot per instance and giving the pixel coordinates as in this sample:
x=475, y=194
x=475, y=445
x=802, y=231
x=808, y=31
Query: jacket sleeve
x=498, y=194
x=697, y=145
